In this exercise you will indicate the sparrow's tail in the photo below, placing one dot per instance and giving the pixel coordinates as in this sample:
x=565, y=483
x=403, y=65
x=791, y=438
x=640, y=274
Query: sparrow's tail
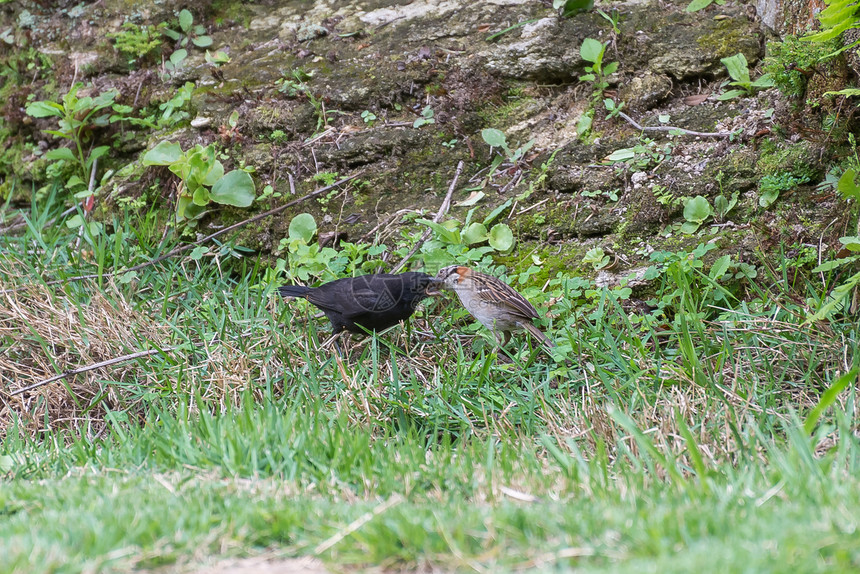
x=534, y=330
x=293, y=291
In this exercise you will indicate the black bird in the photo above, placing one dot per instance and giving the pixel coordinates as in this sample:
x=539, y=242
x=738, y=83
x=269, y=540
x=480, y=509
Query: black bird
x=366, y=303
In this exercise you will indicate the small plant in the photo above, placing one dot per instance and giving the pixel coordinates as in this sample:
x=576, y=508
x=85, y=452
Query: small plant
x=306, y=260
x=77, y=118
x=837, y=17
x=136, y=43
x=456, y=244
x=496, y=138
x=296, y=87
x=738, y=69
x=723, y=206
x=850, y=192
x=425, y=118
x=596, y=258
x=611, y=195
x=594, y=51
x=187, y=32
x=202, y=179
x=771, y=186
x=644, y=154
x=696, y=211
x=368, y=117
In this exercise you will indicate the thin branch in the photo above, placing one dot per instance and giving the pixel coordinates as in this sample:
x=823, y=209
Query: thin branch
x=90, y=368
x=188, y=246
x=443, y=209
x=673, y=129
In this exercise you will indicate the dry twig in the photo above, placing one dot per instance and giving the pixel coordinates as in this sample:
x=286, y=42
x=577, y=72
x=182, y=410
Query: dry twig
x=443, y=209
x=633, y=122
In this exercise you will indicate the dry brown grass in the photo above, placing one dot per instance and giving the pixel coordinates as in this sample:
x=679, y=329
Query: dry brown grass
x=44, y=333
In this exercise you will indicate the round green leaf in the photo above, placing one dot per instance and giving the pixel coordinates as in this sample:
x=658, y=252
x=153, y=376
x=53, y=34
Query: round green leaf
x=303, y=227
x=501, y=237
x=235, y=188
x=697, y=209
x=165, y=153
x=475, y=233
x=200, y=196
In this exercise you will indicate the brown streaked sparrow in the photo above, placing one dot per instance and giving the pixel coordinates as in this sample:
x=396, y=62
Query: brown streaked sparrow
x=492, y=302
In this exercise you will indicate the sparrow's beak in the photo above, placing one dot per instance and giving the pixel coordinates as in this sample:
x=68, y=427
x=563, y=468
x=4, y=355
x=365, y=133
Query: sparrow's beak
x=434, y=288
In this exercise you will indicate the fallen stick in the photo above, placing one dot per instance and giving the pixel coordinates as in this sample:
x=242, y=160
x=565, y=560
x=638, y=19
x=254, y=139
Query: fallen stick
x=92, y=367
x=671, y=129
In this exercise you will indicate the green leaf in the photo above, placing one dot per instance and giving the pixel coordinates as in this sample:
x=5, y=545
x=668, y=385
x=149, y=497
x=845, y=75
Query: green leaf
x=45, y=109
x=97, y=153
x=235, y=188
x=689, y=227
x=475, y=233
x=738, y=68
x=591, y=50
x=165, y=153
x=450, y=236
x=851, y=242
x=7, y=463
x=494, y=137
x=303, y=227
x=583, y=124
x=731, y=94
x=830, y=265
x=74, y=181
x=572, y=7
x=610, y=68
x=177, y=56
x=697, y=209
x=186, y=20
x=75, y=221
x=501, y=237
x=851, y=92
x=623, y=154
x=763, y=81
x=697, y=5
x=200, y=196
x=172, y=34
x=202, y=41
x=198, y=252
x=767, y=197
x=720, y=266
x=61, y=153
x=827, y=399
x=496, y=212
x=836, y=298
x=847, y=185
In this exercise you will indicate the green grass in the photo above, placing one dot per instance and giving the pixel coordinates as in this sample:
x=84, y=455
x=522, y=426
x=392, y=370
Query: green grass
x=675, y=443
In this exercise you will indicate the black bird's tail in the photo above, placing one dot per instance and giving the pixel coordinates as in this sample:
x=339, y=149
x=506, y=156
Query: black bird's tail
x=293, y=291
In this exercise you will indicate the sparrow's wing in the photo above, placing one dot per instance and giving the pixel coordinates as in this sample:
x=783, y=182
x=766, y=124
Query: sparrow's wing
x=498, y=292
